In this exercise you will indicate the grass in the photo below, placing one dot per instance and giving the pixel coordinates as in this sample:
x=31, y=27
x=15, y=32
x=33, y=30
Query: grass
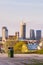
x=34, y=64
x=39, y=51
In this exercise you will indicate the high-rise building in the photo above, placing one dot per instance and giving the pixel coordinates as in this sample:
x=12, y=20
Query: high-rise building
x=38, y=34
x=23, y=30
x=4, y=33
x=32, y=34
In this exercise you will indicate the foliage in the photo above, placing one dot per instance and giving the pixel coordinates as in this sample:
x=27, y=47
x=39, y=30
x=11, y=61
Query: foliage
x=18, y=47
x=39, y=51
x=24, y=48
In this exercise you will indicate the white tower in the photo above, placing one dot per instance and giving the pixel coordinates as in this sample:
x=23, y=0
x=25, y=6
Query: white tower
x=23, y=30
x=4, y=33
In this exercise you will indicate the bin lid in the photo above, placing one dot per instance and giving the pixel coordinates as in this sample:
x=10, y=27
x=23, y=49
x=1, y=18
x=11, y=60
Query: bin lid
x=10, y=47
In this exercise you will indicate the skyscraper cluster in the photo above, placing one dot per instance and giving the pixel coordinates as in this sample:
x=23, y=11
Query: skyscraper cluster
x=33, y=36
x=32, y=33
x=22, y=33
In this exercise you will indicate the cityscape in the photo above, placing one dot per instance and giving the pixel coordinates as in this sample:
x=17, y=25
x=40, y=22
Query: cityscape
x=33, y=42
x=21, y=32
x=19, y=44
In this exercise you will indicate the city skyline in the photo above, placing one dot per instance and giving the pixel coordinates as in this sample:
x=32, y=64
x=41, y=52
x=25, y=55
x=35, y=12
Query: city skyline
x=13, y=12
x=33, y=34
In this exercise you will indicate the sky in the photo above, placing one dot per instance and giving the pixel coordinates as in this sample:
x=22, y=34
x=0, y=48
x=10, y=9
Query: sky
x=13, y=12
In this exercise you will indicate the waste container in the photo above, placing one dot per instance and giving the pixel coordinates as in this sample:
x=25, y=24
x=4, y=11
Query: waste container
x=10, y=52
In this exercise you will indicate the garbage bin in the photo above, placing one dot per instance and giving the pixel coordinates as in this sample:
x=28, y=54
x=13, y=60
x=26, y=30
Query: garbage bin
x=10, y=52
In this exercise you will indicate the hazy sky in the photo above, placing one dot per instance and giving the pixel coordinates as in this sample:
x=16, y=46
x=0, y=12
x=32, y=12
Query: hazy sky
x=13, y=12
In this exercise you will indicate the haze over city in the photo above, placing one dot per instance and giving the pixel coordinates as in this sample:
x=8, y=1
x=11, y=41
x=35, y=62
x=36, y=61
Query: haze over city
x=13, y=12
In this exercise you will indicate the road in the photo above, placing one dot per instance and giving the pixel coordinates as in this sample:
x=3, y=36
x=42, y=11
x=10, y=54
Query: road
x=20, y=59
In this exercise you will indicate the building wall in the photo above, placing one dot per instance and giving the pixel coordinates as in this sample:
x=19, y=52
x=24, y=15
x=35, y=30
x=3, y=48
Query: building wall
x=32, y=34
x=38, y=34
x=17, y=35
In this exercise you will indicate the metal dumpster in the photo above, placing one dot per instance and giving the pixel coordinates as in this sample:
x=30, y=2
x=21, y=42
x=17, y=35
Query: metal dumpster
x=10, y=52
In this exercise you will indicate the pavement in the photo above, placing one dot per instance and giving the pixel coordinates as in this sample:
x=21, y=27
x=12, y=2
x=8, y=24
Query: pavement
x=20, y=59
